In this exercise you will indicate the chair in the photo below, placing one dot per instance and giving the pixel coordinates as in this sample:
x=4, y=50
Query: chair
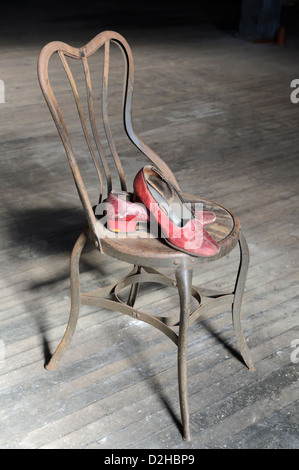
x=146, y=255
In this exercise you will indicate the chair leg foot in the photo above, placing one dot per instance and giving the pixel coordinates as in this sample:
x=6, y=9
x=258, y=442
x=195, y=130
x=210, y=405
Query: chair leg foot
x=237, y=303
x=75, y=303
x=184, y=282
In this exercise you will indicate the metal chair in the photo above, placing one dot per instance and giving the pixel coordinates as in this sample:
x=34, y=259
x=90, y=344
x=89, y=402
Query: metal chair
x=146, y=255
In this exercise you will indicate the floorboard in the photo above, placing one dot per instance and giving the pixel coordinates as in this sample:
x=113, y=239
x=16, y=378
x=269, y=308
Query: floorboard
x=217, y=108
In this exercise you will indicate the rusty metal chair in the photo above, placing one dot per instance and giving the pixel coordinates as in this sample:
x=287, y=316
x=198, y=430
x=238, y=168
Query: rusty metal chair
x=146, y=255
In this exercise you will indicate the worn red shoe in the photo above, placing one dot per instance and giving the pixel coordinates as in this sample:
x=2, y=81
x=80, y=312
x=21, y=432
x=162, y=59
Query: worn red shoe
x=124, y=215
x=205, y=217
x=180, y=228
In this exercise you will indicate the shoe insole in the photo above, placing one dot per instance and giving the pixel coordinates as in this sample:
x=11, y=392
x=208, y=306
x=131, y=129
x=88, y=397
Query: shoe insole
x=169, y=201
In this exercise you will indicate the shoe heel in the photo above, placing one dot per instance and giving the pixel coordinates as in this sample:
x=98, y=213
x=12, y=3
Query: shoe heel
x=121, y=226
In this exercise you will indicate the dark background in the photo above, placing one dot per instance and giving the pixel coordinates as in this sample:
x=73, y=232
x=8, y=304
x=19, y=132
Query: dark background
x=55, y=19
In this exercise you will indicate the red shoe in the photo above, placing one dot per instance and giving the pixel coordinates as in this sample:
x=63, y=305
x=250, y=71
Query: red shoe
x=205, y=217
x=124, y=215
x=180, y=228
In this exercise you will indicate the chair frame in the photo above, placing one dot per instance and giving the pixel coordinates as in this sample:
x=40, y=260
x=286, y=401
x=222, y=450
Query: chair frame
x=145, y=268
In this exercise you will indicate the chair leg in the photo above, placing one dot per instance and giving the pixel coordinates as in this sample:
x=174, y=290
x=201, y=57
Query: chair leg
x=75, y=303
x=237, y=303
x=184, y=282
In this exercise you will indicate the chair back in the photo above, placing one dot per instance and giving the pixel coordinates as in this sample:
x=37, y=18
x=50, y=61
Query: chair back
x=90, y=112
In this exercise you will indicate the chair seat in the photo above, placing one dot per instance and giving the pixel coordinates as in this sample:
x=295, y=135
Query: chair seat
x=151, y=251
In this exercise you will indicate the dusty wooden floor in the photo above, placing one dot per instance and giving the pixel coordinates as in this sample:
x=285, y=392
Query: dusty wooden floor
x=218, y=110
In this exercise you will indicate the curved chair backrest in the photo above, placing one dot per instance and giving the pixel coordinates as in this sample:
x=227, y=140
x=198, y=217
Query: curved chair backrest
x=89, y=126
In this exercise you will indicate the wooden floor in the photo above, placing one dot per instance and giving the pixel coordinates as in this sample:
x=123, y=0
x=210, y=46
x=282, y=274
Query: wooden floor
x=218, y=110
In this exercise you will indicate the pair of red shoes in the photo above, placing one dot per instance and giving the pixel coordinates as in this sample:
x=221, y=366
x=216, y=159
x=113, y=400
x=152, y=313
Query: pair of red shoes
x=156, y=199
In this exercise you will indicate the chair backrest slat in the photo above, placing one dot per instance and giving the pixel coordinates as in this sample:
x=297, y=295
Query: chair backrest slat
x=81, y=116
x=94, y=127
x=106, y=118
